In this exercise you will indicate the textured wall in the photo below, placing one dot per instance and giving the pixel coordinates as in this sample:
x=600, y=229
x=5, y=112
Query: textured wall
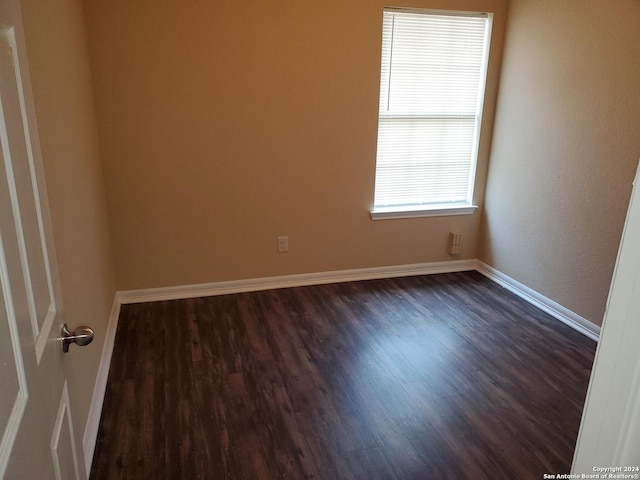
x=60, y=79
x=226, y=124
x=565, y=147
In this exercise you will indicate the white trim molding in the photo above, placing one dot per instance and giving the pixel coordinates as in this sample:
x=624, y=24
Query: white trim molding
x=389, y=213
x=545, y=304
x=95, y=410
x=287, y=281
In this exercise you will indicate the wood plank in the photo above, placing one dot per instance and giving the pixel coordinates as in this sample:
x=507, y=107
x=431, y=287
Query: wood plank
x=441, y=376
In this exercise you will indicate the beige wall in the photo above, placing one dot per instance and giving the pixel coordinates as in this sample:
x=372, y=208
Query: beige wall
x=565, y=148
x=226, y=124
x=60, y=78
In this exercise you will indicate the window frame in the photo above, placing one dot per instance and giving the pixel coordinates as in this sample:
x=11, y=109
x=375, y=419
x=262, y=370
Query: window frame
x=439, y=209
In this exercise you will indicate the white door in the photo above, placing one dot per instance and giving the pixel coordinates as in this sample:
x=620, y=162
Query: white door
x=36, y=428
x=610, y=430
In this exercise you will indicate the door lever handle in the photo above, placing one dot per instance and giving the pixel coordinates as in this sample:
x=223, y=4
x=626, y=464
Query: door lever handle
x=81, y=336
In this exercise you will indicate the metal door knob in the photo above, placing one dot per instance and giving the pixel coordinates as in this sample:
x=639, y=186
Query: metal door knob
x=81, y=336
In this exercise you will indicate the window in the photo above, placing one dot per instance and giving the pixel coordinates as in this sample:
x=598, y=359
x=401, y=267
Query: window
x=431, y=91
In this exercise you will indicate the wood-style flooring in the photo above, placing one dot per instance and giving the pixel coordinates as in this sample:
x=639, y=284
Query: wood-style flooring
x=433, y=377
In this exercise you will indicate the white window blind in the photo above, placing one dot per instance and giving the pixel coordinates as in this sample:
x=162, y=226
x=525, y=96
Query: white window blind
x=431, y=90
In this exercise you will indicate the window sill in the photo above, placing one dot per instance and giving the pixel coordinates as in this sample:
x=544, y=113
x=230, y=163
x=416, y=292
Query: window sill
x=388, y=213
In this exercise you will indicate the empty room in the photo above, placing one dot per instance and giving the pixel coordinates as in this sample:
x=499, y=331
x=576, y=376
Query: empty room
x=338, y=239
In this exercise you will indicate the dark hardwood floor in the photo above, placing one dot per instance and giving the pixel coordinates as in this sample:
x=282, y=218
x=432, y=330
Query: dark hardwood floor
x=435, y=377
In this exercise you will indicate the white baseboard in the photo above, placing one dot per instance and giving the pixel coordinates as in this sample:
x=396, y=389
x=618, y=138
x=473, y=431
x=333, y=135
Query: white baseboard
x=545, y=304
x=286, y=281
x=95, y=410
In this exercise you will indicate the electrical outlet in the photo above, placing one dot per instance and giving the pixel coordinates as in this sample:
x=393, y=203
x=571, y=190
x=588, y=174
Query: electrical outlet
x=455, y=243
x=283, y=244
